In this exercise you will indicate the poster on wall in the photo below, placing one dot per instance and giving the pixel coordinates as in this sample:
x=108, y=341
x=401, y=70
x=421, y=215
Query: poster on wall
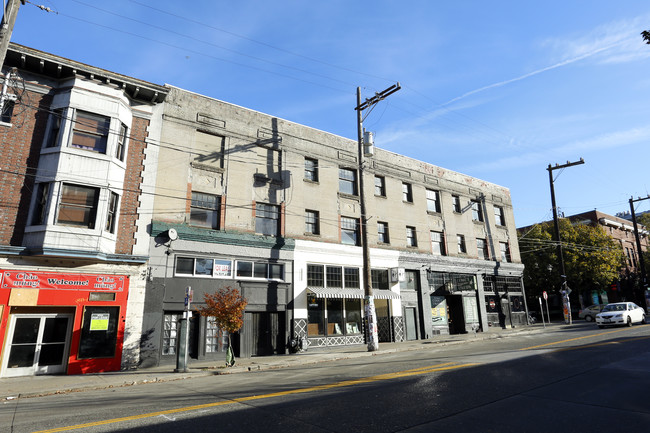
x=470, y=309
x=99, y=321
x=438, y=311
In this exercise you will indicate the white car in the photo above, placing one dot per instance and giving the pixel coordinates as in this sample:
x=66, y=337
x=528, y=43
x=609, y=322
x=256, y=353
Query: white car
x=620, y=313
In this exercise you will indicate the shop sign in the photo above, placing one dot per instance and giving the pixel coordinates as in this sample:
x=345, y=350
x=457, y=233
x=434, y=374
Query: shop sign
x=222, y=268
x=61, y=281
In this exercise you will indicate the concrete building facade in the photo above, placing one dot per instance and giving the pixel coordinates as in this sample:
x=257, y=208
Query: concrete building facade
x=273, y=208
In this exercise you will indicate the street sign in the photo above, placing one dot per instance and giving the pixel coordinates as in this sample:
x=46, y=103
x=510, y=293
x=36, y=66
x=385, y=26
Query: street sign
x=545, y=295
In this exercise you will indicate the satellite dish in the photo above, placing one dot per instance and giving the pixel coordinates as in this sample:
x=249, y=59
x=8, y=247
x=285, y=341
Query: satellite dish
x=172, y=234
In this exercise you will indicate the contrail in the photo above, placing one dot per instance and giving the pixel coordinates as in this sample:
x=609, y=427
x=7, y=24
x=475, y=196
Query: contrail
x=530, y=74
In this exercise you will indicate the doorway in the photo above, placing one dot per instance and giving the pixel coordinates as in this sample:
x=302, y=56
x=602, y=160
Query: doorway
x=411, y=327
x=456, y=314
x=268, y=334
x=38, y=344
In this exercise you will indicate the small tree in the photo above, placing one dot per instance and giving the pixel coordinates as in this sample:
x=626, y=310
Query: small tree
x=227, y=306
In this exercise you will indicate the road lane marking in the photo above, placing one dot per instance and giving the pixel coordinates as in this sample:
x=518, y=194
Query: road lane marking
x=574, y=339
x=387, y=376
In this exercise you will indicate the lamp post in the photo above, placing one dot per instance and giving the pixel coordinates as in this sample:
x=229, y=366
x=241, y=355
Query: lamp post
x=369, y=302
x=565, y=289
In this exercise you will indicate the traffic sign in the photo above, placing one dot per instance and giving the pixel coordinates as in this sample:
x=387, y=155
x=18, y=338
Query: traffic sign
x=545, y=295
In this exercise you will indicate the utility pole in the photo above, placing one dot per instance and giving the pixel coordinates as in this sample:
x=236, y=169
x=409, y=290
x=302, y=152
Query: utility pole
x=644, y=280
x=369, y=302
x=7, y=26
x=565, y=290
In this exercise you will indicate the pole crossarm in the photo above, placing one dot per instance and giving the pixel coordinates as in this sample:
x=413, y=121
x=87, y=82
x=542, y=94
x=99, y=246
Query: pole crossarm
x=378, y=97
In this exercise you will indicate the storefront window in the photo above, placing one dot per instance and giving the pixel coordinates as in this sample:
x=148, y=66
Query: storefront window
x=170, y=334
x=353, y=316
x=335, y=317
x=316, y=316
x=99, y=332
x=216, y=340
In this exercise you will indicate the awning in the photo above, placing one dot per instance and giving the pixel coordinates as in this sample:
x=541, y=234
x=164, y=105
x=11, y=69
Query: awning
x=337, y=292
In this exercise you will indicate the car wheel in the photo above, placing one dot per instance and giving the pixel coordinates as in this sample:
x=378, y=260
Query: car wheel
x=589, y=318
x=642, y=322
x=601, y=326
x=629, y=321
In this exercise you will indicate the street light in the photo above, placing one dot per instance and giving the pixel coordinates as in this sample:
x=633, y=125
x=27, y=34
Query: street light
x=369, y=302
x=565, y=289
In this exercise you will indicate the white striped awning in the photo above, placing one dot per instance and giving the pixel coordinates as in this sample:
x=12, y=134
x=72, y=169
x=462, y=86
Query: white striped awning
x=337, y=292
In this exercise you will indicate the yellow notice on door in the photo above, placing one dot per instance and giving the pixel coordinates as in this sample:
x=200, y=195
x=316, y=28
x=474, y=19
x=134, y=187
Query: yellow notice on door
x=99, y=321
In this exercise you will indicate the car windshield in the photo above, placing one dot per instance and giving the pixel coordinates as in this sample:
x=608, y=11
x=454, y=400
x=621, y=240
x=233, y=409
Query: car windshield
x=614, y=307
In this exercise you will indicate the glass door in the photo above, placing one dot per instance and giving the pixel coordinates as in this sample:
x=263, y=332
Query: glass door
x=39, y=344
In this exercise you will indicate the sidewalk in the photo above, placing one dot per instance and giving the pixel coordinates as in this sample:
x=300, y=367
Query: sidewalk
x=34, y=386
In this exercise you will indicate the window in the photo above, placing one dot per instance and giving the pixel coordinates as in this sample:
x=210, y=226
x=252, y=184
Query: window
x=332, y=276
x=460, y=241
x=121, y=142
x=477, y=212
x=437, y=243
x=455, y=200
x=267, y=219
x=379, y=279
x=482, y=247
x=311, y=222
x=332, y=317
x=185, y=265
x=382, y=233
x=7, y=110
x=98, y=343
x=411, y=237
x=380, y=186
x=407, y=192
x=315, y=276
x=351, y=278
x=55, y=127
x=111, y=218
x=204, y=210
x=311, y=169
x=347, y=181
x=350, y=231
x=78, y=206
x=216, y=339
x=505, y=251
x=433, y=201
x=40, y=206
x=499, y=217
x=315, y=315
x=262, y=270
x=90, y=131
x=170, y=333
x=204, y=267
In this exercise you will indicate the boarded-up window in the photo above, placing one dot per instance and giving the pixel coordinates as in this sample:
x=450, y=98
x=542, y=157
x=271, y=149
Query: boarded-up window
x=208, y=149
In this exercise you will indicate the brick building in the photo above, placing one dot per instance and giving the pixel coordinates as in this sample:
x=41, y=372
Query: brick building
x=73, y=245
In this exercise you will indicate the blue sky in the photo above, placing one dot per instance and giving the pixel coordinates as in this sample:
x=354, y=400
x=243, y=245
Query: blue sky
x=496, y=90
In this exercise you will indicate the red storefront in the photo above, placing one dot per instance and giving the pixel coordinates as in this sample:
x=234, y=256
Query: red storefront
x=61, y=323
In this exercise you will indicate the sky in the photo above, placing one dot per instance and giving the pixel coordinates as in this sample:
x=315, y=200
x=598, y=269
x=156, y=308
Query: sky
x=496, y=90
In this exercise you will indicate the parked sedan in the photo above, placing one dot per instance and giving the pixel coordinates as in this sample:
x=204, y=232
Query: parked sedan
x=620, y=313
x=590, y=312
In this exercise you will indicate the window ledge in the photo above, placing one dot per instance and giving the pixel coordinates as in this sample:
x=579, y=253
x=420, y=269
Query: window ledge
x=349, y=196
x=312, y=182
x=434, y=213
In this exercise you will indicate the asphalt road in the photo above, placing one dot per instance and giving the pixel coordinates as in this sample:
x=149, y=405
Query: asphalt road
x=581, y=379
